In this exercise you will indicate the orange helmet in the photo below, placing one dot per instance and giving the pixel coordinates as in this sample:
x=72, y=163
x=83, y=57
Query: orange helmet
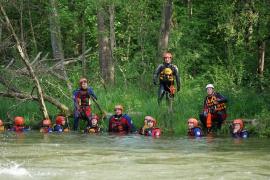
x=167, y=55
x=1, y=122
x=46, y=122
x=59, y=120
x=119, y=107
x=19, y=121
x=194, y=121
x=151, y=119
x=95, y=117
x=82, y=80
x=239, y=121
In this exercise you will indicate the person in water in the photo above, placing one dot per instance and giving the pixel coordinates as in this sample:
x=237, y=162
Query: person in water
x=2, y=127
x=194, y=129
x=60, y=124
x=214, y=109
x=238, y=130
x=82, y=103
x=119, y=122
x=149, y=128
x=19, y=125
x=46, y=126
x=93, y=126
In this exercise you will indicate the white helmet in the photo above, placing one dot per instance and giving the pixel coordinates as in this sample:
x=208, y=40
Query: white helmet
x=209, y=86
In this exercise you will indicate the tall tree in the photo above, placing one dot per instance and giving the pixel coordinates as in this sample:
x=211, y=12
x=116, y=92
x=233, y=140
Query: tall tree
x=165, y=27
x=56, y=41
x=105, y=52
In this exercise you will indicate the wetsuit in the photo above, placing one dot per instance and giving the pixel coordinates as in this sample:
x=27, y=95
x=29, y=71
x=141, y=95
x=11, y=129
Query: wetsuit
x=218, y=111
x=166, y=80
x=241, y=134
x=82, y=104
x=121, y=124
x=195, y=132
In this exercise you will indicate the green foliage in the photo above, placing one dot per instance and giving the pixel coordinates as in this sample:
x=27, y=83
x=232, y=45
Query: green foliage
x=217, y=44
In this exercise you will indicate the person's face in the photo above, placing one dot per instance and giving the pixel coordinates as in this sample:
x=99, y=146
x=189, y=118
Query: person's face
x=150, y=124
x=118, y=111
x=84, y=85
x=167, y=60
x=63, y=122
x=210, y=91
x=190, y=125
x=236, y=127
x=94, y=122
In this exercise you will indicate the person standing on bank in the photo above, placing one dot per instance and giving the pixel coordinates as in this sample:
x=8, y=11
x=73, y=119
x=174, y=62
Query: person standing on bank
x=167, y=73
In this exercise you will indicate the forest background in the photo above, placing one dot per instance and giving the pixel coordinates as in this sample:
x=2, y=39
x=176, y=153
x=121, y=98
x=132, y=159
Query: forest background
x=47, y=46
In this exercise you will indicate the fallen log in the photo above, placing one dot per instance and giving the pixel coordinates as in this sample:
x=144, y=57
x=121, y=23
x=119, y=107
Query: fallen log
x=64, y=109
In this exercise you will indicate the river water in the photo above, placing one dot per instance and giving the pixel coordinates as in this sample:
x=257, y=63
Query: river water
x=82, y=156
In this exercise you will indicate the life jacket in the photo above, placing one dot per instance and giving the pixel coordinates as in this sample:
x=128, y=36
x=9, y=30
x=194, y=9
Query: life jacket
x=241, y=134
x=46, y=130
x=211, y=106
x=95, y=129
x=83, y=98
x=152, y=132
x=196, y=132
x=119, y=124
x=166, y=75
x=18, y=128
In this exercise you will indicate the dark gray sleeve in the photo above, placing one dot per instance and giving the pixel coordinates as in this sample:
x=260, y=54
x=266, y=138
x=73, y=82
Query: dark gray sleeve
x=156, y=73
x=177, y=76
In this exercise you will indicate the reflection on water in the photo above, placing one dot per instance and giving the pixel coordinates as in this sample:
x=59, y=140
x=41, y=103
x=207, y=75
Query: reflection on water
x=72, y=156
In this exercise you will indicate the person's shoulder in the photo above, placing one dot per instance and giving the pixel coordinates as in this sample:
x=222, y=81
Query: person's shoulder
x=76, y=91
x=126, y=116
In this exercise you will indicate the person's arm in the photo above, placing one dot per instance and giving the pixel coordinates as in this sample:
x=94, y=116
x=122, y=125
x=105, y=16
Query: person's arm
x=156, y=74
x=177, y=77
x=110, y=124
x=76, y=99
x=91, y=92
x=221, y=98
x=130, y=123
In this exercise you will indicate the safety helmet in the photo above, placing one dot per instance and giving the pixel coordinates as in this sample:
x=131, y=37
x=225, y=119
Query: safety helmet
x=82, y=80
x=95, y=117
x=194, y=121
x=167, y=55
x=46, y=122
x=151, y=119
x=19, y=121
x=240, y=122
x=167, y=71
x=209, y=86
x=119, y=107
x=59, y=120
x=1, y=122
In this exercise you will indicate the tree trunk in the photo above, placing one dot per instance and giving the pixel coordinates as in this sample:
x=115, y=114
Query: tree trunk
x=112, y=40
x=261, y=46
x=105, y=56
x=26, y=61
x=165, y=27
x=190, y=10
x=32, y=28
x=56, y=40
x=84, y=72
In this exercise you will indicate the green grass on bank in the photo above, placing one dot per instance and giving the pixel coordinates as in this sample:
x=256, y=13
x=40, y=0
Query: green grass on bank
x=140, y=101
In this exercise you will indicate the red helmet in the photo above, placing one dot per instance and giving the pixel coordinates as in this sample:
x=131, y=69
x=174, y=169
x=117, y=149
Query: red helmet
x=1, y=122
x=82, y=80
x=19, y=121
x=59, y=120
x=167, y=55
x=119, y=107
x=194, y=121
x=95, y=117
x=151, y=119
x=239, y=121
x=46, y=122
